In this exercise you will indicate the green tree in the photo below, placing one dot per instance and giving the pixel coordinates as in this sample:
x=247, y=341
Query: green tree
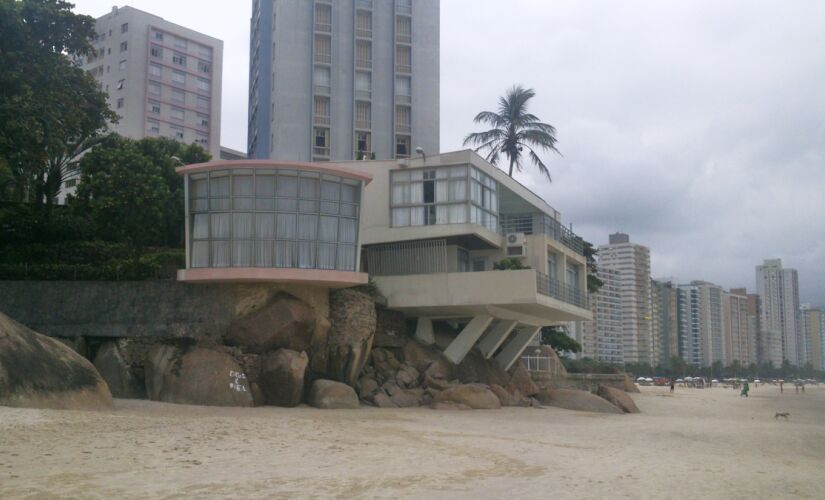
x=124, y=193
x=557, y=338
x=513, y=132
x=509, y=264
x=593, y=281
x=49, y=106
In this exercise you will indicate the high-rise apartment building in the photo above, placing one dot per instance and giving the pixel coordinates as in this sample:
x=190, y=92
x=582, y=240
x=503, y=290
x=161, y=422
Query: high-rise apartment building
x=602, y=338
x=740, y=339
x=665, y=320
x=162, y=79
x=813, y=330
x=343, y=79
x=778, y=290
x=690, y=325
x=632, y=262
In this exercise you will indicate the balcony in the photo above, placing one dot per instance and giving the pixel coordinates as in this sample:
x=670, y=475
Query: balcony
x=403, y=99
x=403, y=128
x=363, y=64
x=403, y=68
x=321, y=151
x=363, y=4
x=404, y=38
x=403, y=9
x=363, y=95
x=321, y=120
x=321, y=89
x=541, y=224
x=323, y=58
x=363, y=33
x=323, y=27
x=363, y=124
x=558, y=290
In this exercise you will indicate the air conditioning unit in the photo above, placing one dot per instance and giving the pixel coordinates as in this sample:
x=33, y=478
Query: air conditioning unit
x=515, y=245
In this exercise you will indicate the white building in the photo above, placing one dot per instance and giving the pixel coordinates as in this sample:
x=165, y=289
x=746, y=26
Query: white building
x=813, y=329
x=632, y=262
x=162, y=79
x=343, y=79
x=778, y=290
x=602, y=338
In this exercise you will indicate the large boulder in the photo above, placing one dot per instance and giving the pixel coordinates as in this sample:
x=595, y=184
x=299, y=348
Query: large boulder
x=284, y=323
x=332, y=395
x=521, y=382
x=352, y=314
x=630, y=385
x=506, y=398
x=281, y=379
x=421, y=357
x=572, y=399
x=196, y=376
x=391, y=328
x=37, y=371
x=319, y=347
x=474, y=368
x=118, y=373
x=619, y=398
x=476, y=396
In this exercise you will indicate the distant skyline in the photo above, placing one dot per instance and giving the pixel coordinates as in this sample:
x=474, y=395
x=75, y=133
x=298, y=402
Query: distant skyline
x=694, y=126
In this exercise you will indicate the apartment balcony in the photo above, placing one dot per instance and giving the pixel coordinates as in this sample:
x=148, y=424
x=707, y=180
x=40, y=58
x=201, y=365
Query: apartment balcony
x=406, y=39
x=363, y=33
x=321, y=89
x=320, y=151
x=363, y=95
x=403, y=9
x=363, y=124
x=363, y=4
x=540, y=223
x=363, y=64
x=403, y=99
x=323, y=27
x=321, y=120
x=403, y=68
x=323, y=58
x=403, y=128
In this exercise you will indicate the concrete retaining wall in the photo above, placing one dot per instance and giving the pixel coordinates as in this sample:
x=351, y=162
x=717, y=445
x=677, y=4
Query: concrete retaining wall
x=140, y=308
x=583, y=381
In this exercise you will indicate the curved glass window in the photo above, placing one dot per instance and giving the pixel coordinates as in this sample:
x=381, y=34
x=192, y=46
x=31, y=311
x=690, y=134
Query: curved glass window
x=273, y=218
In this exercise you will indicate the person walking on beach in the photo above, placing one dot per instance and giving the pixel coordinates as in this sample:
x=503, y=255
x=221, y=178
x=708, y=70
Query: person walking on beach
x=672, y=385
x=745, y=390
x=780, y=387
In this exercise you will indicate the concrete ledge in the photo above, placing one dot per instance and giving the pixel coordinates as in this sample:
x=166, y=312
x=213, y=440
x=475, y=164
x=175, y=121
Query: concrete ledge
x=314, y=277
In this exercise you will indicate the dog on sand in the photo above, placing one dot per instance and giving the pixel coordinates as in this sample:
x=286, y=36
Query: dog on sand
x=784, y=415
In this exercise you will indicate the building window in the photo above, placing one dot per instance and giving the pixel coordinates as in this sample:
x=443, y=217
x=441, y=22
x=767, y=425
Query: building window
x=363, y=85
x=71, y=183
x=479, y=264
x=124, y=27
x=363, y=24
x=204, y=67
x=202, y=139
x=321, y=80
x=124, y=46
x=402, y=146
x=363, y=146
x=179, y=95
x=155, y=70
x=273, y=218
x=321, y=144
x=122, y=65
x=203, y=85
x=429, y=196
x=203, y=120
x=403, y=59
x=363, y=115
x=403, y=90
x=321, y=110
x=158, y=36
x=402, y=119
x=205, y=52
x=153, y=107
x=323, y=49
x=323, y=18
x=156, y=52
x=363, y=54
x=202, y=103
x=154, y=88
x=179, y=43
x=121, y=84
x=179, y=77
x=484, y=200
x=120, y=102
x=177, y=114
x=153, y=127
x=177, y=132
x=403, y=29
x=179, y=59
x=463, y=260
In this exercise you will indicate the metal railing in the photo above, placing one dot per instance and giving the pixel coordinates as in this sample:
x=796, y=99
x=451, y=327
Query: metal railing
x=364, y=95
x=363, y=124
x=403, y=99
x=363, y=4
x=541, y=224
x=323, y=58
x=561, y=291
x=321, y=120
x=403, y=38
x=363, y=64
x=539, y=364
x=403, y=68
x=320, y=151
x=399, y=259
x=323, y=27
x=363, y=33
x=403, y=128
x=321, y=89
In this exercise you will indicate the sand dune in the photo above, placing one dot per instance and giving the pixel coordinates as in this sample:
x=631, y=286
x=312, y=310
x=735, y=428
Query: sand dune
x=695, y=444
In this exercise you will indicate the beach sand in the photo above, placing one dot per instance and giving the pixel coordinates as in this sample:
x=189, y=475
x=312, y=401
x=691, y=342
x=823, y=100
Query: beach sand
x=695, y=444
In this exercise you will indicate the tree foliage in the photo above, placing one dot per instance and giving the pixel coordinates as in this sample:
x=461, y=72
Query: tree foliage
x=515, y=133
x=510, y=264
x=48, y=105
x=557, y=338
x=593, y=281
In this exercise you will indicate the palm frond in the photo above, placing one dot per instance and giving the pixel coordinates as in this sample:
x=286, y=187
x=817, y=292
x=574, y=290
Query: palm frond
x=540, y=164
x=494, y=119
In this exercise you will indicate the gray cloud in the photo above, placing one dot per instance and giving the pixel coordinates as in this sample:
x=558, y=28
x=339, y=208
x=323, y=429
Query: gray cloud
x=695, y=126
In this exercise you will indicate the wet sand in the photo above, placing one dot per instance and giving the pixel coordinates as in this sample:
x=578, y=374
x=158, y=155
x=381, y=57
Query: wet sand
x=695, y=444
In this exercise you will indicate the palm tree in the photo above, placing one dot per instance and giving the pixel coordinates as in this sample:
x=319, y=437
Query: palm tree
x=514, y=130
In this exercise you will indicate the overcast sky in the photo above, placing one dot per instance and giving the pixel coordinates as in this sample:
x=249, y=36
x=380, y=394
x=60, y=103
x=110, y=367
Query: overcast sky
x=698, y=127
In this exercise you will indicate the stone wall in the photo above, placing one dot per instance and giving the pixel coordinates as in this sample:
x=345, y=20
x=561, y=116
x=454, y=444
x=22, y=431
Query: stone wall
x=584, y=381
x=161, y=309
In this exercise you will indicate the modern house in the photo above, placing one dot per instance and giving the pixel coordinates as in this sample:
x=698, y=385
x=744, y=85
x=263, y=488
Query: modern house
x=428, y=230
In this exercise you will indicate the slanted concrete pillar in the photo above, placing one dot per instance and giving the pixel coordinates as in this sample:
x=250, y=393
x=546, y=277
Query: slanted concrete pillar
x=493, y=339
x=512, y=351
x=424, y=331
x=465, y=341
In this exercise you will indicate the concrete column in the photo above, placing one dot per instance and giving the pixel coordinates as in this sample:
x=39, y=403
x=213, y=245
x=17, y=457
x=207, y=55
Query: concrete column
x=424, y=331
x=465, y=341
x=493, y=339
x=512, y=351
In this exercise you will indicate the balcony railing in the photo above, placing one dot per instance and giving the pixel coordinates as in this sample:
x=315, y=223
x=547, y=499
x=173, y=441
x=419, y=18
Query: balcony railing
x=363, y=33
x=363, y=4
x=323, y=58
x=401, y=259
x=321, y=120
x=403, y=99
x=320, y=151
x=403, y=38
x=323, y=27
x=403, y=128
x=541, y=224
x=363, y=95
x=363, y=124
x=561, y=291
x=363, y=64
x=321, y=89
x=403, y=68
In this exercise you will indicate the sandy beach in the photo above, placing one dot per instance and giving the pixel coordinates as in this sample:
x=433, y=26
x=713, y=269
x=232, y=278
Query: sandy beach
x=694, y=444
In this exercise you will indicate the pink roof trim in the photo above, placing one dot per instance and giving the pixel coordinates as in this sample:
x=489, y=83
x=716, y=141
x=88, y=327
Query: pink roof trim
x=326, y=168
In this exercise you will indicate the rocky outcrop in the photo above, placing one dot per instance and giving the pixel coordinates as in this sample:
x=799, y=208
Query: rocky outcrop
x=571, y=399
x=332, y=395
x=281, y=379
x=283, y=323
x=474, y=368
x=37, y=371
x=521, y=381
x=197, y=376
x=476, y=396
x=117, y=372
x=506, y=398
x=630, y=385
x=352, y=315
x=391, y=328
x=618, y=398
